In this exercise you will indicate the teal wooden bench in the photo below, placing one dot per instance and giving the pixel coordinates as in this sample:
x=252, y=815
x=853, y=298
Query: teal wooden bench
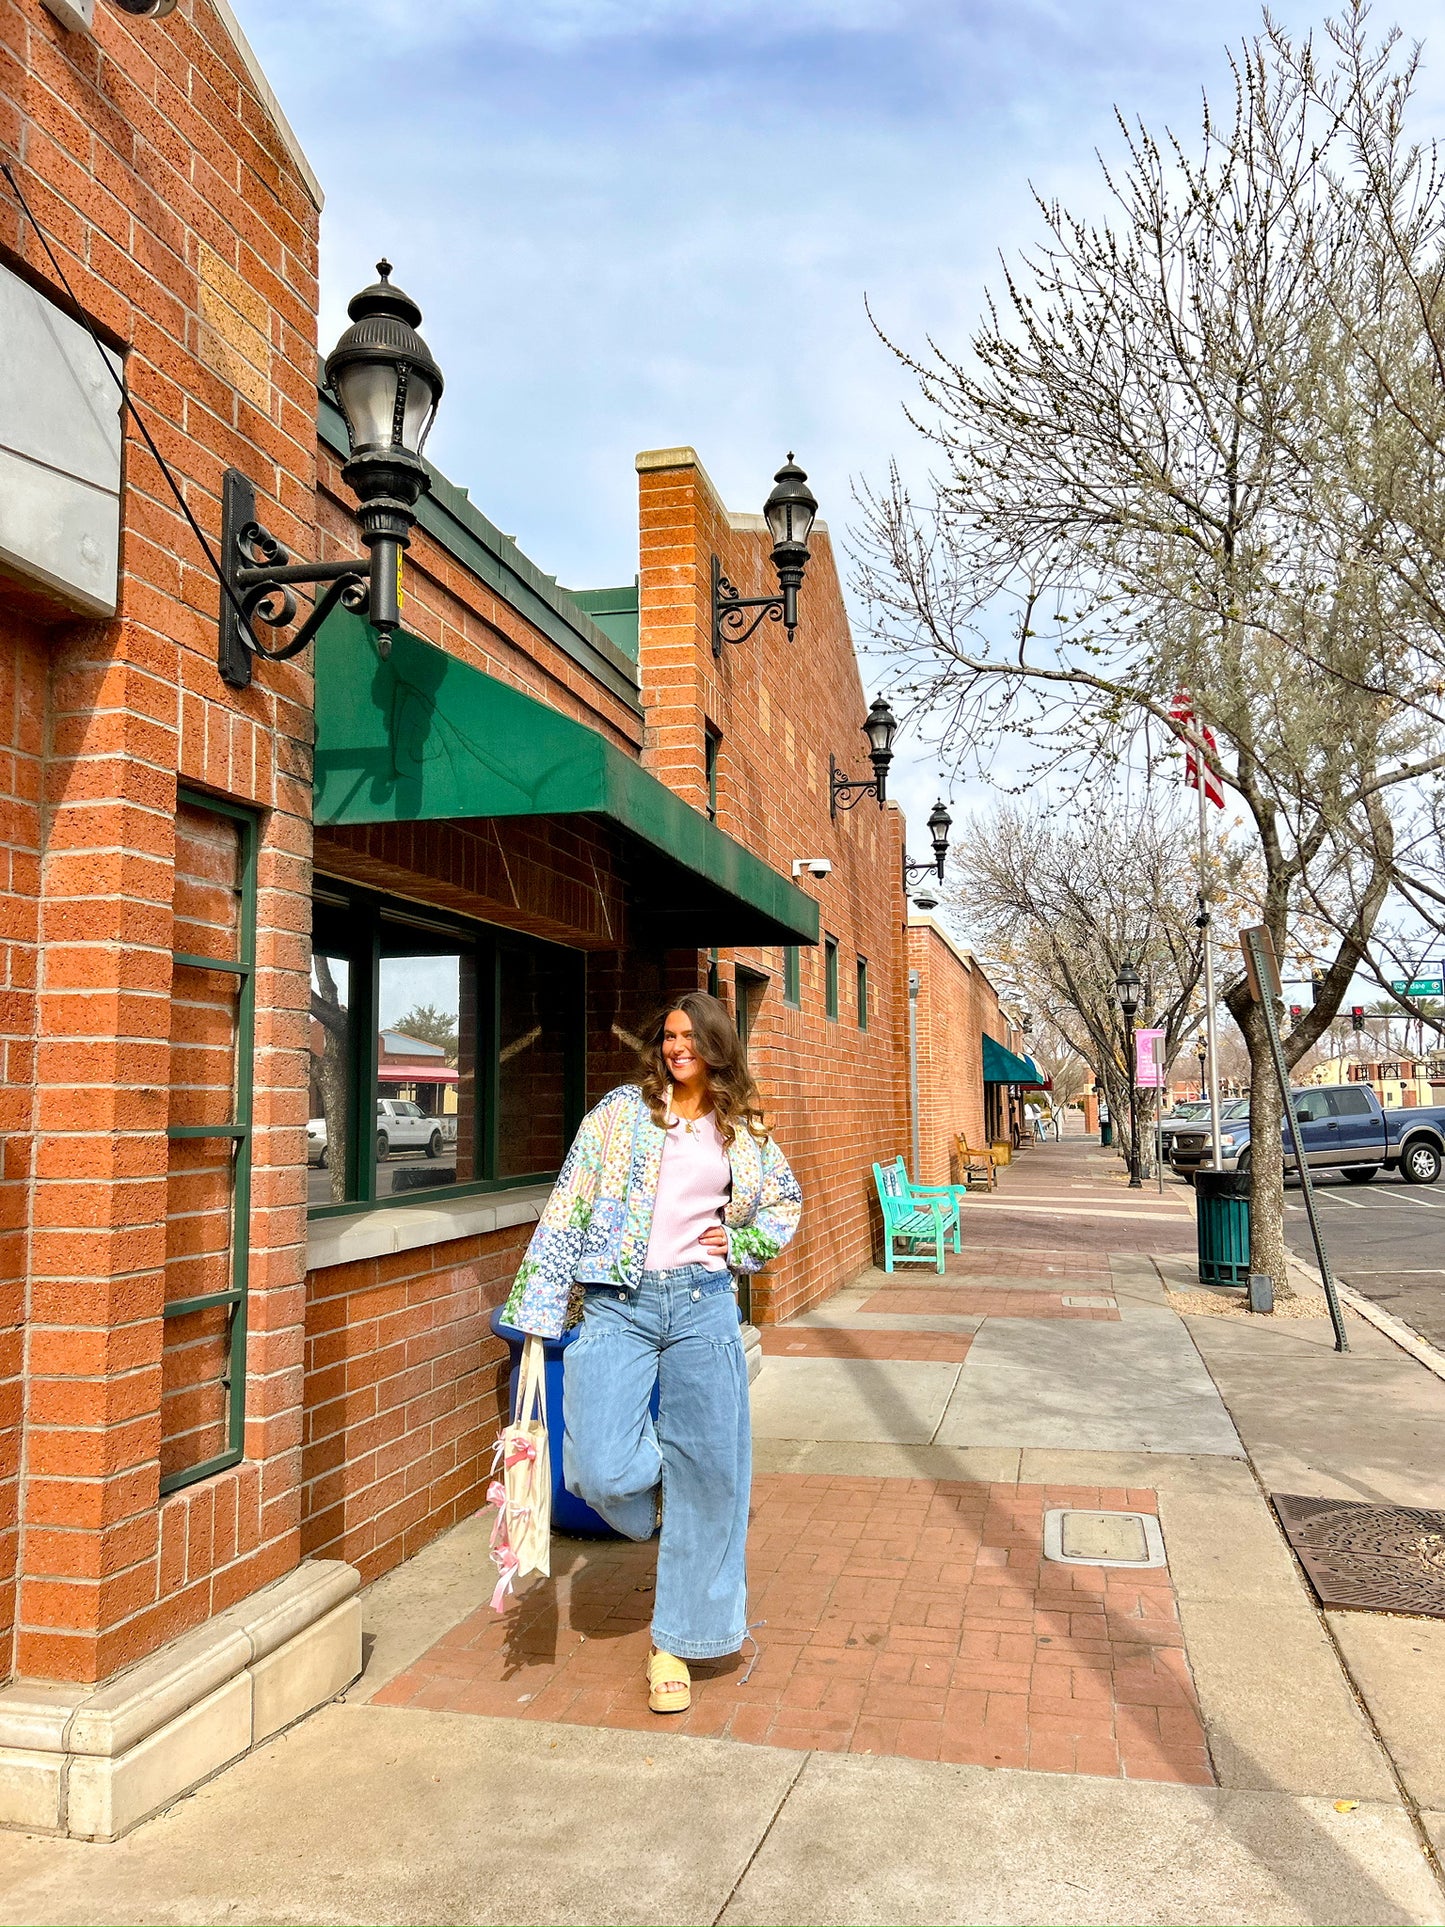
x=952, y=1194
x=911, y=1219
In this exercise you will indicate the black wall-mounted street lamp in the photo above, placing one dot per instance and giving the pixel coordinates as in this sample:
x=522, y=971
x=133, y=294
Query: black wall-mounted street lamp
x=387, y=386
x=843, y=790
x=789, y=512
x=939, y=824
x=1126, y=989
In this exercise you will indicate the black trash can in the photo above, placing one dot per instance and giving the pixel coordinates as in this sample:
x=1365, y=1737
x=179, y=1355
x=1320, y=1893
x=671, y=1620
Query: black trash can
x=1223, y=1227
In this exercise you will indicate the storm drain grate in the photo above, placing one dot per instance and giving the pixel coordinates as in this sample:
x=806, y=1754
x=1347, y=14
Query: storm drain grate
x=1375, y=1558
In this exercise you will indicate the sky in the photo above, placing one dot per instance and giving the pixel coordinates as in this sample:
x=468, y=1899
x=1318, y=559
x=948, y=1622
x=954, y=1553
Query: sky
x=640, y=223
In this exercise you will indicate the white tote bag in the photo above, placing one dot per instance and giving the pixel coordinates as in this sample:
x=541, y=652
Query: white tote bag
x=522, y=1535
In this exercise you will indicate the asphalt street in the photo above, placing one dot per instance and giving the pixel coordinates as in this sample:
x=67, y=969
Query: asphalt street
x=1387, y=1239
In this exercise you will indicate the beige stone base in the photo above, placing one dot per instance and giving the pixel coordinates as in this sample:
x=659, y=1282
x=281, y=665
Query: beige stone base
x=94, y=1761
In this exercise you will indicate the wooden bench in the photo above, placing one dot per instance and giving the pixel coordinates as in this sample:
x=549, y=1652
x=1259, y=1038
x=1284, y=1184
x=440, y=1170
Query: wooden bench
x=974, y=1162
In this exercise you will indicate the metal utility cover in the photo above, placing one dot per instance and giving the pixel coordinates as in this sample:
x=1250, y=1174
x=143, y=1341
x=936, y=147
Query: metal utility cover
x=1091, y=1304
x=1373, y=1558
x=1076, y=1538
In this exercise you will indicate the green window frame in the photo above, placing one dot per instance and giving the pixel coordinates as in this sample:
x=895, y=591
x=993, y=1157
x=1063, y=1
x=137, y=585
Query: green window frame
x=830, y=976
x=714, y=975
x=862, y=993
x=792, y=976
x=239, y=1131
x=352, y=922
x=711, y=744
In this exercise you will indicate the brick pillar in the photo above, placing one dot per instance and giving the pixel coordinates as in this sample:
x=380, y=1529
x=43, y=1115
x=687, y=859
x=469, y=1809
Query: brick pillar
x=89, y=1521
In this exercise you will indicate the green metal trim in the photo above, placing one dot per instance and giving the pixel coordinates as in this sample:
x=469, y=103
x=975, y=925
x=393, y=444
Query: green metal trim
x=615, y=612
x=830, y=978
x=207, y=1301
x=207, y=1469
x=475, y=1188
x=193, y=961
x=792, y=977
x=450, y=517
x=240, y=1131
x=423, y=736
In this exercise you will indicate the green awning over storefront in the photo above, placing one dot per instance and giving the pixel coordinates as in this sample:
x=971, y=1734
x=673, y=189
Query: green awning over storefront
x=1000, y=1066
x=422, y=736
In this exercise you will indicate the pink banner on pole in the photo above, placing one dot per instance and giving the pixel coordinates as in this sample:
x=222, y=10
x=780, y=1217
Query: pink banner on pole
x=1149, y=1059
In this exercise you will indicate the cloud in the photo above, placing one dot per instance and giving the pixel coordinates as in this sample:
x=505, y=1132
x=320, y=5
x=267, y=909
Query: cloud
x=634, y=223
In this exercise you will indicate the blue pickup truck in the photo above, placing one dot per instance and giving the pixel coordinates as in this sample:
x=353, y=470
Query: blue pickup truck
x=1343, y=1127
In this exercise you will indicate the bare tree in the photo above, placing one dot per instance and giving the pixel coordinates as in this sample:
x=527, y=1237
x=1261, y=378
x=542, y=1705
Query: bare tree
x=1150, y=483
x=1065, y=905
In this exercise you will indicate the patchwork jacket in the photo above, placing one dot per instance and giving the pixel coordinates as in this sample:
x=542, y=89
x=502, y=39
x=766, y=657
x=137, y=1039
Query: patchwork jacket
x=596, y=1224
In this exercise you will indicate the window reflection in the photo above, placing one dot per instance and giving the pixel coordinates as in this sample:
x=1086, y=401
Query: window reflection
x=537, y=994
x=425, y=1065
x=328, y=1110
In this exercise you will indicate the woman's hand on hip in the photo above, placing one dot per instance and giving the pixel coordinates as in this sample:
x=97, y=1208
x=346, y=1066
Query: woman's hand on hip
x=715, y=1240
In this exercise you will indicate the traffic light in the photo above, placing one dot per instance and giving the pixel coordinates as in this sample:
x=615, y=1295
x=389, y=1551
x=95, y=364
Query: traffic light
x=1357, y=1016
x=1296, y=1011
x=1317, y=979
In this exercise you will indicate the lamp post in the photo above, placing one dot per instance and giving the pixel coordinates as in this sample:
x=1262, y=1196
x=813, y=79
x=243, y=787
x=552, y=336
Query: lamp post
x=844, y=791
x=1126, y=989
x=387, y=386
x=1203, y=1089
x=789, y=513
x=939, y=825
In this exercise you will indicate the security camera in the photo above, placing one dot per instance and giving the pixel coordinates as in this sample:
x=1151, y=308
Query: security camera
x=925, y=901
x=816, y=866
x=146, y=9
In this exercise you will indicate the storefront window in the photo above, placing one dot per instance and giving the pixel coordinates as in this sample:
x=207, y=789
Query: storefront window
x=440, y=1056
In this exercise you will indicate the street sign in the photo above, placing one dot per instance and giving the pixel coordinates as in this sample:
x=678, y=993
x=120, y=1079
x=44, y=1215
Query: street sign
x=1418, y=987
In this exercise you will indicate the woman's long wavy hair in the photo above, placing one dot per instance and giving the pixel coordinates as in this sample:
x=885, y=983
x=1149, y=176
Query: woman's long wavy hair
x=730, y=1083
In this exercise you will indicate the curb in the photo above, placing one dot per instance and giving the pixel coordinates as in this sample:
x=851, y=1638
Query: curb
x=1395, y=1329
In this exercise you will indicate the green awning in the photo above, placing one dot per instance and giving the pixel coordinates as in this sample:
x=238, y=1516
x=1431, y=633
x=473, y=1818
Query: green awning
x=1000, y=1066
x=423, y=736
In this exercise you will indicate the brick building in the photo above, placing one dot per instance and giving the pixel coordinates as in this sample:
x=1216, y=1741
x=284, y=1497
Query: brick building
x=959, y=1094
x=246, y=1365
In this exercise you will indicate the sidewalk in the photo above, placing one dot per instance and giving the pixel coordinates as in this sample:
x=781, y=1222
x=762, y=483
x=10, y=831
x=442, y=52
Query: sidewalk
x=944, y=1724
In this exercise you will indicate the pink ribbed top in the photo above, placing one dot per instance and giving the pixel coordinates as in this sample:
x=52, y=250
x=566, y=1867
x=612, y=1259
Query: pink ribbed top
x=692, y=1191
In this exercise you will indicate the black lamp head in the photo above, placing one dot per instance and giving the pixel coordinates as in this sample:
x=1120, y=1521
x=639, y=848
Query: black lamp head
x=1126, y=989
x=939, y=825
x=880, y=728
x=385, y=379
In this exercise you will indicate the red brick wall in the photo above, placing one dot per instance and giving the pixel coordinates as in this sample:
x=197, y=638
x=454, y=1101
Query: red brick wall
x=837, y=1094
x=957, y=1005
x=189, y=235
x=403, y=1386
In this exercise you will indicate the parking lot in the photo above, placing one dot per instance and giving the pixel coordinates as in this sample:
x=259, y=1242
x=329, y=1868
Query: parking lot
x=1387, y=1239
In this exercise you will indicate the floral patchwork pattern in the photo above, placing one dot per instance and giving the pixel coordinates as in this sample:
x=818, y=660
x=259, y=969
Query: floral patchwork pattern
x=595, y=1226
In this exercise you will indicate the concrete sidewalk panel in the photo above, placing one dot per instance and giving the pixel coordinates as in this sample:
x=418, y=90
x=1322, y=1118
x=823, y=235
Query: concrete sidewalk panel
x=874, y=1398
x=1278, y=1711
x=1089, y=1386
x=852, y=1844
x=1365, y=1424
x=1399, y=1667
x=862, y=1459
x=368, y=1814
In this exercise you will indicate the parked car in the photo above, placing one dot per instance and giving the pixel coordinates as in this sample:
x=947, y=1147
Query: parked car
x=1193, y=1111
x=400, y=1126
x=1187, y=1146
x=1343, y=1127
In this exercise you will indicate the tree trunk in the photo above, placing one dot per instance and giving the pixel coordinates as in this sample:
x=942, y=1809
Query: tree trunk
x=1266, y=1159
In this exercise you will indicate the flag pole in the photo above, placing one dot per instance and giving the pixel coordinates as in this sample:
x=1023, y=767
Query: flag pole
x=1211, y=1028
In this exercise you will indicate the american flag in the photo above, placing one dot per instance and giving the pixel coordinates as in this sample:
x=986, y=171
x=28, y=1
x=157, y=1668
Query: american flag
x=1182, y=712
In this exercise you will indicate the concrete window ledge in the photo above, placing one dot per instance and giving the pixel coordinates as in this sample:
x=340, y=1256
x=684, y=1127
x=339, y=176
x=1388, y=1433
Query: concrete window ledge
x=379, y=1231
x=94, y=1761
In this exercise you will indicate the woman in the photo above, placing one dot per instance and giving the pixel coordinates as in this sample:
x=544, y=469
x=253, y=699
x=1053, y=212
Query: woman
x=670, y=1187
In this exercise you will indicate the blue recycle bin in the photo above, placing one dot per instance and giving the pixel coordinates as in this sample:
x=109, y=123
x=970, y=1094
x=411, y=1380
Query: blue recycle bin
x=569, y=1513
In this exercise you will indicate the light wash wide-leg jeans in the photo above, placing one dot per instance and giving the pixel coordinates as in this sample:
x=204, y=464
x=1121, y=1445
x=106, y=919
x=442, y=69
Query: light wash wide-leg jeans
x=680, y=1332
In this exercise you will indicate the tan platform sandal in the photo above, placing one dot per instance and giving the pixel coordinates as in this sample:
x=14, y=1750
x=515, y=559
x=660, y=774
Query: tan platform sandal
x=669, y=1683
